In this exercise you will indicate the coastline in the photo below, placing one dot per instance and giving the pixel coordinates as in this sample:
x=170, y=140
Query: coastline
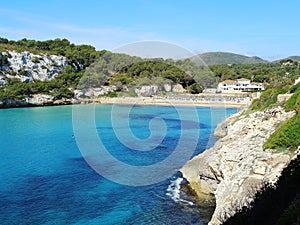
x=237, y=166
x=160, y=101
x=171, y=101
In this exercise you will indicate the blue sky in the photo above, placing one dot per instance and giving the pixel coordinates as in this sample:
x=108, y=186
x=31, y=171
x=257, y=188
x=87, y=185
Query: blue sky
x=269, y=29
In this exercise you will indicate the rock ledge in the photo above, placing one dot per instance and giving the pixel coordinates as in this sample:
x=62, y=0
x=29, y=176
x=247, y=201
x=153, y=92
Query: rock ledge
x=237, y=166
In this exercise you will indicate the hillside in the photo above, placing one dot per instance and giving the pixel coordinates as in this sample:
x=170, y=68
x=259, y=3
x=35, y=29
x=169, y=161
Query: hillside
x=294, y=58
x=45, y=72
x=219, y=58
x=60, y=70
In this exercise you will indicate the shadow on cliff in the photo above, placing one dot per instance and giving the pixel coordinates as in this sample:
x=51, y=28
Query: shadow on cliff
x=279, y=205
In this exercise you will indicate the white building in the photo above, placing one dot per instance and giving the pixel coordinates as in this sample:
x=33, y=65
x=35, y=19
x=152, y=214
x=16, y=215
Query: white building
x=239, y=85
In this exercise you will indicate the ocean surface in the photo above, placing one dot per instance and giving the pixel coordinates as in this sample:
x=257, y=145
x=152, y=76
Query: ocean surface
x=46, y=180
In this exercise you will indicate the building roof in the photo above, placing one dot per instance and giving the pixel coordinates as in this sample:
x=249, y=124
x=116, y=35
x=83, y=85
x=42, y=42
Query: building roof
x=229, y=82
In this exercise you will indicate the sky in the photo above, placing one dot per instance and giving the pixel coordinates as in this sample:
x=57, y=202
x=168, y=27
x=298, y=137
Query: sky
x=268, y=29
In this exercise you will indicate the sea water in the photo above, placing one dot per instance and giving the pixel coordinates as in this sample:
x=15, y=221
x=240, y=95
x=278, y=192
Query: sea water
x=46, y=180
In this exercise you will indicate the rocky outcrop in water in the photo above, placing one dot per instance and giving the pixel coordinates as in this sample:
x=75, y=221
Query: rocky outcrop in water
x=35, y=100
x=237, y=166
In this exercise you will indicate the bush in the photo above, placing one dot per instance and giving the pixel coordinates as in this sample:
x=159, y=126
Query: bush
x=195, y=88
x=268, y=97
x=62, y=92
x=286, y=136
x=112, y=94
x=294, y=102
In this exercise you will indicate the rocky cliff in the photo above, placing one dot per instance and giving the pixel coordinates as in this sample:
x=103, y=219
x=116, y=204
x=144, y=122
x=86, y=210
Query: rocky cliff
x=150, y=90
x=237, y=166
x=27, y=66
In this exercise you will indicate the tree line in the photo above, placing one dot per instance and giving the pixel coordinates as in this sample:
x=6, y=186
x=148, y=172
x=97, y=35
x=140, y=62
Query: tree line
x=107, y=68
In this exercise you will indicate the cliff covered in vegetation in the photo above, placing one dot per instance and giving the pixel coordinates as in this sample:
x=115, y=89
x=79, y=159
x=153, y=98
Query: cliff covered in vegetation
x=64, y=72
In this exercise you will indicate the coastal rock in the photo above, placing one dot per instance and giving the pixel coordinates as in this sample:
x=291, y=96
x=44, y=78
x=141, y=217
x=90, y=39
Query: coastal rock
x=150, y=90
x=37, y=100
x=27, y=66
x=237, y=165
x=222, y=128
x=178, y=88
x=281, y=98
x=167, y=87
x=94, y=92
x=3, y=82
x=147, y=91
x=40, y=99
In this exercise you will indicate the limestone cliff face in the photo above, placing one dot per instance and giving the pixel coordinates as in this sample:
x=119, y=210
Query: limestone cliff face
x=150, y=90
x=94, y=92
x=35, y=100
x=237, y=165
x=27, y=66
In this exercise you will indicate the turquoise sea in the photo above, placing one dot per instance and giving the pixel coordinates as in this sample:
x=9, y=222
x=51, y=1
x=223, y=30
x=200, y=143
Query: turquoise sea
x=46, y=180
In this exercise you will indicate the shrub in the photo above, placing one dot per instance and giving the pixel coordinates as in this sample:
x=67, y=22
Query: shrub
x=195, y=88
x=111, y=94
x=287, y=135
x=268, y=97
x=294, y=102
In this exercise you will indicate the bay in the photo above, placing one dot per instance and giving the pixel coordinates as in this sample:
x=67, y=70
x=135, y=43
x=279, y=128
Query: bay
x=46, y=180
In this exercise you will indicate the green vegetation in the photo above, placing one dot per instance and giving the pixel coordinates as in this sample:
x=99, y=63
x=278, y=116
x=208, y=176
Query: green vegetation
x=292, y=58
x=294, y=102
x=60, y=87
x=287, y=136
x=271, y=74
x=76, y=54
x=218, y=58
x=195, y=88
x=124, y=70
x=120, y=69
x=267, y=99
x=112, y=94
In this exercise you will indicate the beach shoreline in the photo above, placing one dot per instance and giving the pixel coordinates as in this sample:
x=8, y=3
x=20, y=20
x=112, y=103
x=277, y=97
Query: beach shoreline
x=168, y=102
x=183, y=100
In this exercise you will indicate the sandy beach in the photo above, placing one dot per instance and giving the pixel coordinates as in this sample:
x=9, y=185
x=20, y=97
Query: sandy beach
x=178, y=101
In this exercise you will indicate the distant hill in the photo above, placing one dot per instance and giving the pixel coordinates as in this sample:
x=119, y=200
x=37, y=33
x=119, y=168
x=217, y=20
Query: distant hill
x=218, y=58
x=294, y=58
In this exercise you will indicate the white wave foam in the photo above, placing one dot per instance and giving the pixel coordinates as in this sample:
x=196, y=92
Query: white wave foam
x=173, y=191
